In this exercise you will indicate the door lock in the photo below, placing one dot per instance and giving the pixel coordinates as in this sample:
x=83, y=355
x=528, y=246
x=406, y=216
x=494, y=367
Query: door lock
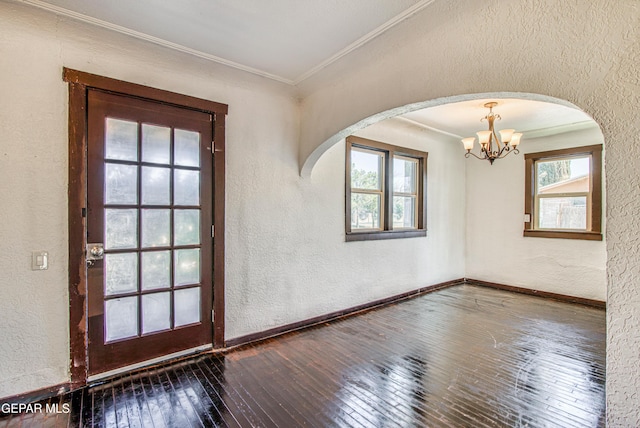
x=95, y=252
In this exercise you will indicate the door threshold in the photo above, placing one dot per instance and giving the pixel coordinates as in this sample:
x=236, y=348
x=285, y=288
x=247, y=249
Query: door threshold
x=146, y=363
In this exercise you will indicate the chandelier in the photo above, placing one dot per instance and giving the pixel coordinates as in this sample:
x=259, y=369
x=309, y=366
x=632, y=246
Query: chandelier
x=492, y=148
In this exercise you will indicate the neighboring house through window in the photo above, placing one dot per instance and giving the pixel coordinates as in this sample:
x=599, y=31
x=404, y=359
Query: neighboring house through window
x=385, y=191
x=563, y=193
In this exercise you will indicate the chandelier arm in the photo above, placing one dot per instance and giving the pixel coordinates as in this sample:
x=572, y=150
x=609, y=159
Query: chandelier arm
x=466, y=155
x=515, y=150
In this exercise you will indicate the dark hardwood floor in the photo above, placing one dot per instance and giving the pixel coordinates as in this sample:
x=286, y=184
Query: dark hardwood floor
x=465, y=356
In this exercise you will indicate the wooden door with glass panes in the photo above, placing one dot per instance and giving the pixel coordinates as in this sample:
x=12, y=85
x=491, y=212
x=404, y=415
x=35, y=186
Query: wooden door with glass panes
x=149, y=220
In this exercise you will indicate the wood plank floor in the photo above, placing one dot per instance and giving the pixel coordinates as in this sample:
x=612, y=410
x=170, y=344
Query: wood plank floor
x=465, y=356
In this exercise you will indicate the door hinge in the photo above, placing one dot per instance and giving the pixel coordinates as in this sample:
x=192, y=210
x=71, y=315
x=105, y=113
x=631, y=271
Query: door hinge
x=213, y=231
x=213, y=315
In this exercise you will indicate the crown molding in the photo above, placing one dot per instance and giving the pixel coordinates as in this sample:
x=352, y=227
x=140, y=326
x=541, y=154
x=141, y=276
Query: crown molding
x=175, y=46
x=365, y=39
x=427, y=127
x=559, y=129
x=155, y=40
x=528, y=134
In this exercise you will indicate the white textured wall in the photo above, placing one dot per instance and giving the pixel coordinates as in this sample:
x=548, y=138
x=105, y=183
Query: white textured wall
x=34, y=46
x=586, y=52
x=33, y=184
x=496, y=251
x=300, y=265
x=286, y=257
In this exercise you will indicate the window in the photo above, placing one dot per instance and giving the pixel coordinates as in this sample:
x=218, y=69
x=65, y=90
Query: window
x=563, y=193
x=385, y=191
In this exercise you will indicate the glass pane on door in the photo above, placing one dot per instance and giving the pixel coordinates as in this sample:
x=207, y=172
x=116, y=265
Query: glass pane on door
x=121, y=273
x=186, y=227
x=156, y=228
x=121, y=228
x=121, y=318
x=156, y=312
x=187, y=306
x=121, y=139
x=152, y=228
x=187, y=148
x=155, y=186
x=156, y=144
x=187, y=267
x=156, y=270
x=186, y=187
x=121, y=184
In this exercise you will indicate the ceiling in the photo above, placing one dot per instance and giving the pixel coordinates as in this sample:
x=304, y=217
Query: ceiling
x=291, y=40
x=532, y=118
x=285, y=40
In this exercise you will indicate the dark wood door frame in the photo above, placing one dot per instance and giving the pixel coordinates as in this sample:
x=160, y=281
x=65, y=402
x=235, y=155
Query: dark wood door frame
x=79, y=83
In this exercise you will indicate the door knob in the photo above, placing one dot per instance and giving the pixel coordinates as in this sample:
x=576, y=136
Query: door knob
x=95, y=251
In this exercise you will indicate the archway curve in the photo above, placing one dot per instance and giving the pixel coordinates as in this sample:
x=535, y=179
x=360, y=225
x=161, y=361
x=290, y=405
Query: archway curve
x=309, y=163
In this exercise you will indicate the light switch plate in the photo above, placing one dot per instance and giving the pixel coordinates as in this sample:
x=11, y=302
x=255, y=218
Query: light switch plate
x=39, y=260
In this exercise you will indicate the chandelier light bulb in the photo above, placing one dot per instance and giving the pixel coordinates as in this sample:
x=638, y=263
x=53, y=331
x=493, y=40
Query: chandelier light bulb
x=515, y=139
x=483, y=137
x=506, y=134
x=468, y=143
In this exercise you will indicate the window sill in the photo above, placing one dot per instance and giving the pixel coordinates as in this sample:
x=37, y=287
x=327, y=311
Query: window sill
x=588, y=236
x=385, y=234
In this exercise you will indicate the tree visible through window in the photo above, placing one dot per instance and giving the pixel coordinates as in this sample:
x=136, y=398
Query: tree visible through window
x=564, y=193
x=553, y=172
x=367, y=176
x=385, y=190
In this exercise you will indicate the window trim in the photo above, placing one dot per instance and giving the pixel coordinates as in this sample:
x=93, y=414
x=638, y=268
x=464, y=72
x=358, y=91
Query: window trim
x=594, y=199
x=415, y=194
x=380, y=192
x=387, y=231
